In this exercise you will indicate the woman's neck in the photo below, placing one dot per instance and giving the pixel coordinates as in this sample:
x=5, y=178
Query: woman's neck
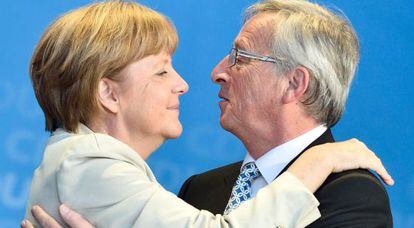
x=142, y=144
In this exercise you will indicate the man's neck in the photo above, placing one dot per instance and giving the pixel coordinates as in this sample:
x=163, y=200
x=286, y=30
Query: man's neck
x=260, y=142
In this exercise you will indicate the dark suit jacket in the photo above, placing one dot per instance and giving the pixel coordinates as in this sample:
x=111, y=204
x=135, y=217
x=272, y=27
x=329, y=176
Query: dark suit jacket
x=353, y=198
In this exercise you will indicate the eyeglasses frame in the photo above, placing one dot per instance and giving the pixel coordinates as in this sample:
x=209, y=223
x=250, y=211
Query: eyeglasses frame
x=237, y=52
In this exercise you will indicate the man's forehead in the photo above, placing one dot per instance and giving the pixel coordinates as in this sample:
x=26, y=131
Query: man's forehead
x=242, y=43
x=255, y=32
x=246, y=39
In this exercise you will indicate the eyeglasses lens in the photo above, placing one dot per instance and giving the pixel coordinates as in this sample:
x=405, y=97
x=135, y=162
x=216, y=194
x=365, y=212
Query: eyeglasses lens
x=232, y=57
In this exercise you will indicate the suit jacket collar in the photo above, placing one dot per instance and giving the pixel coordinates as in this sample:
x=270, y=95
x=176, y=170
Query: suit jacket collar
x=230, y=173
x=230, y=177
x=326, y=137
x=276, y=159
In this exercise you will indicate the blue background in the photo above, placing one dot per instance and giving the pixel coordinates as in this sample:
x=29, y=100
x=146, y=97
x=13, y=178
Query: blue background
x=379, y=111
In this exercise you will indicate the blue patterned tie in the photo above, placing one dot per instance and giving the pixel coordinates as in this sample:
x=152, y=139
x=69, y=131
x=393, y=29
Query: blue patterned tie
x=242, y=188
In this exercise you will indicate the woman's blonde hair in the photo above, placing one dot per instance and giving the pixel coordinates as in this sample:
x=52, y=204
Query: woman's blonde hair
x=88, y=44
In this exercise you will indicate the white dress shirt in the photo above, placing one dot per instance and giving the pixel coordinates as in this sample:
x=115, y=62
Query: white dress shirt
x=274, y=161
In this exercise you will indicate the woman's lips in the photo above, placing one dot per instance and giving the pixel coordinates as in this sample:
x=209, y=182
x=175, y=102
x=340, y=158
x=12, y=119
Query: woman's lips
x=174, y=107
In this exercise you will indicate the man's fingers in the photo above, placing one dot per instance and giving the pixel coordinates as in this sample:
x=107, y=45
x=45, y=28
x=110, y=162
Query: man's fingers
x=45, y=220
x=72, y=218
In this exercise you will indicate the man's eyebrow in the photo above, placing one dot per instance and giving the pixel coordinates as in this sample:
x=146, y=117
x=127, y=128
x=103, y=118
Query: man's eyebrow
x=240, y=44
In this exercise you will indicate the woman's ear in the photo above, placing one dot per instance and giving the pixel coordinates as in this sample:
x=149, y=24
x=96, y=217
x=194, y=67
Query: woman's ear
x=298, y=84
x=108, y=96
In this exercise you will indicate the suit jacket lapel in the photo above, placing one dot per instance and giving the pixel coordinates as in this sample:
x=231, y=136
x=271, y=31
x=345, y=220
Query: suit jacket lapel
x=230, y=177
x=224, y=192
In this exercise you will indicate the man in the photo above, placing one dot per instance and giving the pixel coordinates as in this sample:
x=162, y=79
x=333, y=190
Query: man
x=283, y=85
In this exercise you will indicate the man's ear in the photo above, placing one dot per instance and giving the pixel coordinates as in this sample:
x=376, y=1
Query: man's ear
x=107, y=95
x=298, y=84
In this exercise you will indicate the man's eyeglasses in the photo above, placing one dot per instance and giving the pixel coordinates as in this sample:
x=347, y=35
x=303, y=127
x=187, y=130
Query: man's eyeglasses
x=235, y=53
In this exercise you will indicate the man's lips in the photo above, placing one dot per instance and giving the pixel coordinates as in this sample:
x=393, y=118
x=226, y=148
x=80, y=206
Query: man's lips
x=224, y=98
x=223, y=101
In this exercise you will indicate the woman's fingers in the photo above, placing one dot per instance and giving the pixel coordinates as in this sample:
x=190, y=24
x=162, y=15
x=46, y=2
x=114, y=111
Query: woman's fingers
x=26, y=224
x=45, y=220
x=337, y=157
x=72, y=218
x=379, y=168
x=367, y=159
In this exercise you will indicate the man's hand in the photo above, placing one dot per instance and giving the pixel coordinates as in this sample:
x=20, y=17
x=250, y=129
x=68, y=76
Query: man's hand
x=70, y=217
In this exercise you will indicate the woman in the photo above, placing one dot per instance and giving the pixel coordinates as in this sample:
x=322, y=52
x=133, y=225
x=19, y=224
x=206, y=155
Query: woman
x=104, y=79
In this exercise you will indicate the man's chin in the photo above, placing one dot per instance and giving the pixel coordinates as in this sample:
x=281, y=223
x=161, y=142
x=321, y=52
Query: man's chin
x=225, y=123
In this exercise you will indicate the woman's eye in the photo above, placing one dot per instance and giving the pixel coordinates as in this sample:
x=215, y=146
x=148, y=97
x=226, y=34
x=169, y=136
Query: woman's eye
x=162, y=73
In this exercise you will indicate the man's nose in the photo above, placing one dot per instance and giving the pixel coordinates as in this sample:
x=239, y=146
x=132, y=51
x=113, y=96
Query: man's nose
x=220, y=74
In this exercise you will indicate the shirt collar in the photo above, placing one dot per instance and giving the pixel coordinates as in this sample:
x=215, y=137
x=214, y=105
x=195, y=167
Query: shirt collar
x=275, y=160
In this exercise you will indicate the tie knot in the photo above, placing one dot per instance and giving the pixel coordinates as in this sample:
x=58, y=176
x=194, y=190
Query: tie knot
x=250, y=171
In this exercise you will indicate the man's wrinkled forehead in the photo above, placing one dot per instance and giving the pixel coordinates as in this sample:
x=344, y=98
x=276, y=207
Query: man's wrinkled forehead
x=256, y=33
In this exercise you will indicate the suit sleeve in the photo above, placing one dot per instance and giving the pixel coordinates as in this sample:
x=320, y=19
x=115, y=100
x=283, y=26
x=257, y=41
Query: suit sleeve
x=356, y=199
x=113, y=193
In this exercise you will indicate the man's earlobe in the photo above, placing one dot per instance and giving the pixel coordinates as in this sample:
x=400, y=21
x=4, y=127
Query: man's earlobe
x=107, y=96
x=298, y=84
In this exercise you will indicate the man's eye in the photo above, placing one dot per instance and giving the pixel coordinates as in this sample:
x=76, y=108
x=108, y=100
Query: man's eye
x=243, y=60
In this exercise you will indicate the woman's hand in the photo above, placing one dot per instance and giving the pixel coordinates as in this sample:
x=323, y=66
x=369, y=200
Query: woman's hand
x=71, y=218
x=315, y=164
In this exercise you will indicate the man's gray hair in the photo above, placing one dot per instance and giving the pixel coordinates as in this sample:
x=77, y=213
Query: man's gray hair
x=306, y=34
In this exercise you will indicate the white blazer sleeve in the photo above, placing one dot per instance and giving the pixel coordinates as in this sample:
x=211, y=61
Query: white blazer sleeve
x=116, y=193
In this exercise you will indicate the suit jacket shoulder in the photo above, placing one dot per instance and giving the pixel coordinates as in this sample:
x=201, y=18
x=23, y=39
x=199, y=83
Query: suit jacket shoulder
x=211, y=190
x=354, y=198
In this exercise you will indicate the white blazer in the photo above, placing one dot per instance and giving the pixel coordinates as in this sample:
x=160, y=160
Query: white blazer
x=112, y=186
